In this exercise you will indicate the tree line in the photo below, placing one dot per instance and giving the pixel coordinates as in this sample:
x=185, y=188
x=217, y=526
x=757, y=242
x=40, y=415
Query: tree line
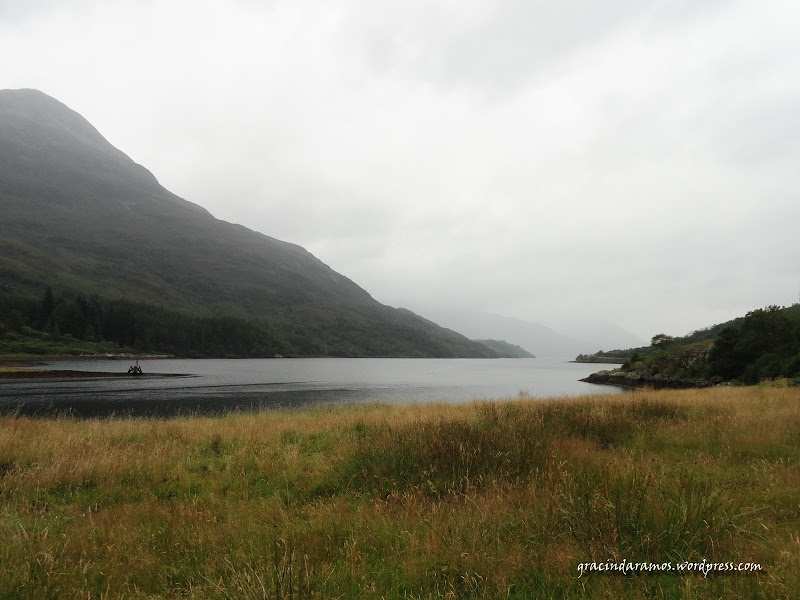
x=766, y=345
x=137, y=326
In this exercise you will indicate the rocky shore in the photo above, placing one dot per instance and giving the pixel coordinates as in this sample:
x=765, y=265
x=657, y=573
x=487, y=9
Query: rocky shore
x=635, y=379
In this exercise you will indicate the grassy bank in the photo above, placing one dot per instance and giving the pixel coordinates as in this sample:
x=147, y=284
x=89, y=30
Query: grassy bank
x=500, y=500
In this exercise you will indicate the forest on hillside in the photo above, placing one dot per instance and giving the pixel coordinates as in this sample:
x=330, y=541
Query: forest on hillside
x=762, y=345
x=30, y=325
x=76, y=324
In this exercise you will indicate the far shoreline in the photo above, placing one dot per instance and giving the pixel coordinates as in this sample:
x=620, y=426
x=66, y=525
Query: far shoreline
x=24, y=367
x=42, y=358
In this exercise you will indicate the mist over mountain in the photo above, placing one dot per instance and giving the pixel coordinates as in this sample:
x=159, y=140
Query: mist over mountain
x=536, y=338
x=597, y=333
x=79, y=215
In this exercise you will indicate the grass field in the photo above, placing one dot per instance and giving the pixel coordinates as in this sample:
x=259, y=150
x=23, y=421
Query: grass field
x=486, y=500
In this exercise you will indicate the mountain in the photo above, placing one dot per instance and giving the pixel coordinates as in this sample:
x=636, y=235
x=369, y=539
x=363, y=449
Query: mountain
x=79, y=215
x=538, y=339
x=597, y=333
x=506, y=350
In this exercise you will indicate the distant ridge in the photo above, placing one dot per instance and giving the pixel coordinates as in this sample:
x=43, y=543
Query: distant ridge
x=79, y=215
x=506, y=350
x=538, y=339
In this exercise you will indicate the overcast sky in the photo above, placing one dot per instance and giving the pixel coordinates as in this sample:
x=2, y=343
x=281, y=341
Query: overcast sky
x=629, y=161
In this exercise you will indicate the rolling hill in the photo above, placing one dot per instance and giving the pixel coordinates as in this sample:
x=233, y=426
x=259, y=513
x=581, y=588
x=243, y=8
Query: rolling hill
x=78, y=215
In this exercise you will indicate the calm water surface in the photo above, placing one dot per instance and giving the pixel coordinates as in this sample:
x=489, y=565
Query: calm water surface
x=178, y=386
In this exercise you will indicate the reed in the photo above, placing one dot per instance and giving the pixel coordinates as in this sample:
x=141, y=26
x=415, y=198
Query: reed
x=483, y=500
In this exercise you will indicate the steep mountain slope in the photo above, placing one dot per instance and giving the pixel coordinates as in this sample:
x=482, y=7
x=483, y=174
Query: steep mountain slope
x=79, y=215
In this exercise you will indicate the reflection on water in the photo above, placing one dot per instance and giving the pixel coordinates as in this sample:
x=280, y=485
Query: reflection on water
x=209, y=386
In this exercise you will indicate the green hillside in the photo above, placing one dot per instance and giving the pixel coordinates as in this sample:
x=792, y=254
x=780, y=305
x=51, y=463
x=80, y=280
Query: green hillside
x=764, y=344
x=505, y=349
x=79, y=216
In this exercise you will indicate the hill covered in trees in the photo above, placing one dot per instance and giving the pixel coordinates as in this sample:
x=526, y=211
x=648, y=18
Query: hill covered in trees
x=764, y=344
x=129, y=261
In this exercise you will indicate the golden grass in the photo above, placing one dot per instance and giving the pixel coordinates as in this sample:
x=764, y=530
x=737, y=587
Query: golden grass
x=482, y=500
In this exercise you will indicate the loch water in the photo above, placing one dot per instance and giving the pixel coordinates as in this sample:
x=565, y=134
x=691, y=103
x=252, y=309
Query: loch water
x=172, y=387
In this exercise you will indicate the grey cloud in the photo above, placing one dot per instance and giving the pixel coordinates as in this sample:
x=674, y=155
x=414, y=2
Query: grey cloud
x=23, y=13
x=764, y=131
x=498, y=47
x=502, y=44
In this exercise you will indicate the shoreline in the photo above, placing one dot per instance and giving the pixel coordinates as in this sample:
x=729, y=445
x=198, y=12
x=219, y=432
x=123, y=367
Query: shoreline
x=24, y=367
x=656, y=382
x=43, y=358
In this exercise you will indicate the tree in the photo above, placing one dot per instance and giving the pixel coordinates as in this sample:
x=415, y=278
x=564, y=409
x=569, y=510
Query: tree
x=761, y=348
x=662, y=341
x=46, y=307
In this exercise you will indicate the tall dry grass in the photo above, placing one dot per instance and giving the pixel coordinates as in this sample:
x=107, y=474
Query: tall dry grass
x=485, y=500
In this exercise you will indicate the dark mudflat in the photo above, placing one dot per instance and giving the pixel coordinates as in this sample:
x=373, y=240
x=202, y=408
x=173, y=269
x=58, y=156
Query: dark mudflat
x=55, y=374
x=70, y=374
